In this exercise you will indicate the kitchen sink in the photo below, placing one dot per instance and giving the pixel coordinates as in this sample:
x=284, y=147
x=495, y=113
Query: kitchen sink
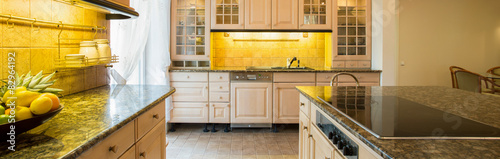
x=278, y=68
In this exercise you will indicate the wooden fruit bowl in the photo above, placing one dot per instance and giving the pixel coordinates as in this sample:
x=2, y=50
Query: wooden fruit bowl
x=28, y=124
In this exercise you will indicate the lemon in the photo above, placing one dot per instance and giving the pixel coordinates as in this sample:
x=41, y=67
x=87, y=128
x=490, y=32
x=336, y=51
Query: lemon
x=23, y=113
x=24, y=98
x=41, y=105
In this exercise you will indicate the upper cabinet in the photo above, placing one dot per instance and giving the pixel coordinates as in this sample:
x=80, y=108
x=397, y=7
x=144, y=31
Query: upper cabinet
x=285, y=14
x=228, y=14
x=271, y=14
x=352, y=27
x=258, y=14
x=315, y=14
x=190, y=33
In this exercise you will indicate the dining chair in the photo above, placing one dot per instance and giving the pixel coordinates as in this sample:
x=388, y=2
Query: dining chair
x=495, y=71
x=453, y=77
x=470, y=81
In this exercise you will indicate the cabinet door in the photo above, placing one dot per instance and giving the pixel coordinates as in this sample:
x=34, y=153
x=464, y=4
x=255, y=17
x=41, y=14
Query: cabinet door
x=186, y=112
x=190, y=33
x=315, y=14
x=303, y=136
x=153, y=144
x=219, y=113
x=258, y=14
x=286, y=102
x=251, y=103
x=285, y=15
x=323, y=148
x=190, y=92
x=228, y=14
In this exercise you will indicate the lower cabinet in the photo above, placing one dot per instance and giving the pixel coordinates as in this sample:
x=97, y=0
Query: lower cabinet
x=303, y=136
x=321, y=148
x=125, y=143
x=219, y=113
x=251, y=103
x=285, y=99
x=189, y=112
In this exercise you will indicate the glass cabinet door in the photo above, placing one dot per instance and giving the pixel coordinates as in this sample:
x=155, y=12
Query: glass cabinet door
x=315, y=14
x=352, y=28
x=227, y=14
x=189, y=32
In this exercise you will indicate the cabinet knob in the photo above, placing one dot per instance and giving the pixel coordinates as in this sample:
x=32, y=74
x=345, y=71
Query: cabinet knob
x=142, y=154
x=302, y=104
x=187, y=76
x=213, y=105
x=229, y=105
x=305, y=127
x=112, y=149
x=310, y=135
x=327, y=77
x=220, y=87
x=207, y=105
x=155, y=116
x=220, y=77
x=220, y=97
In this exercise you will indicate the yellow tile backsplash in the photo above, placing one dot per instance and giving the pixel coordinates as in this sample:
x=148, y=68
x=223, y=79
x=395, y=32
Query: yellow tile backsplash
x=37, y=48
x=243, y=49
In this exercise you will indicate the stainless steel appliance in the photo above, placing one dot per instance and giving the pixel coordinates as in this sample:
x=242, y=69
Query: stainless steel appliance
x=391, y=117
x=346, y=145
x=251, y=99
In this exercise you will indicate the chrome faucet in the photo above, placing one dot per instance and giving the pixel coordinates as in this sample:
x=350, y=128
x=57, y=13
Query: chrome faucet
x=290, y=63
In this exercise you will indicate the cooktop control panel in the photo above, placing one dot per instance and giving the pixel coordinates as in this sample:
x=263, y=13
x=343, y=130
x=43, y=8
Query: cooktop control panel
x=251, y=76
x=348, y=147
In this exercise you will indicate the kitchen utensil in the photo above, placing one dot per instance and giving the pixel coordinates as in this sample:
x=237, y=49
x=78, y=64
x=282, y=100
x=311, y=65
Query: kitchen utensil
x=103, y=49
x=89, y=49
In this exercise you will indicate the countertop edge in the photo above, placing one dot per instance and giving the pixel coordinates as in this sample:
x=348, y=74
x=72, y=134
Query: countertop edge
x=103, y=135
x=352, y=131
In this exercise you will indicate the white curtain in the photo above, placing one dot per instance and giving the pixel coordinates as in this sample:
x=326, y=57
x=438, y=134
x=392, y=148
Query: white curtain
x=142, y=45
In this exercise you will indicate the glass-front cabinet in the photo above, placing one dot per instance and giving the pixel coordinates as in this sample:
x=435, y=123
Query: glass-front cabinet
x=315, y=14
x=227, y=14
x=352, y=27
x=190, y=33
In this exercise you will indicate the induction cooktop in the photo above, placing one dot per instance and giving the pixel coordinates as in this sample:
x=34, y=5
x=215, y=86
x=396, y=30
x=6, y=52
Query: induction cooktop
x=391, y=117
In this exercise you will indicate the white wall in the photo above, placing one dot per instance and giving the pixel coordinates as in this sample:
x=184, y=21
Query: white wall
x=435, y=34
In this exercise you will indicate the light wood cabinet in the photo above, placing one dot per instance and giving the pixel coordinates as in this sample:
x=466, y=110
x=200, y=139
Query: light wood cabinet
x=305, y=105
x=219, y=108
x=352, y=33
x=286, y=99
x=322, y=147
x=219, y=113
x=285, y=14
x=227, y=14
x=189, y=112
x=124, y=143
x=251, y=103
x=258, y=14
x=315, y=14
x=190, y=33
x=153, y=144
x=303, y=136
x=190, y=92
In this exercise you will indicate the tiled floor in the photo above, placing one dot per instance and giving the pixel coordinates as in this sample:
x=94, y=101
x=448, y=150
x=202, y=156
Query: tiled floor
x=189, y=141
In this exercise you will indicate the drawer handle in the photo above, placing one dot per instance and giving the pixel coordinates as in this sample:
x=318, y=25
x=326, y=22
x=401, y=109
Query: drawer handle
x=155, y=116
x=220, y=77
x=220, y=87
x=310, y=135
x=229, y=105
x=305, y=127
x=207, y=105
x=112, y=149
x=187, y=76
x=142, y=154
x=213, y=105
x=220, y=97
x=302, y=104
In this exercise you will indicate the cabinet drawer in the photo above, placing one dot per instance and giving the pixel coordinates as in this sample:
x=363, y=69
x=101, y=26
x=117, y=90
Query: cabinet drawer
x=219, y=97
x=338, y=64
x=190, y=91
x=218, y=77
x=364, y=64
x=219, y=112
x=130, y=154
x=149, y=119
x=188, y=77
x=294, y=77
x=351, y=64
x=362, y=77
x=305, y=105
x=219, y=87
x=184, y=112
x=114, y=145
x=153, y=143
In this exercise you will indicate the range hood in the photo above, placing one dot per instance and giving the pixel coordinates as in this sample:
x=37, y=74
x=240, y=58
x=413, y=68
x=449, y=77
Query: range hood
x=112, y=9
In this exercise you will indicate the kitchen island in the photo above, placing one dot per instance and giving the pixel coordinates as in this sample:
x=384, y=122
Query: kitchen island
x=88, y=118
x=480, y=108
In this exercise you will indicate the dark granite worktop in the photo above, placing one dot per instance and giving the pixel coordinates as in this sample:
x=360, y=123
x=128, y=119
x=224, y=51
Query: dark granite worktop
x=87, y=118
x=263, y=69
x=477, y=107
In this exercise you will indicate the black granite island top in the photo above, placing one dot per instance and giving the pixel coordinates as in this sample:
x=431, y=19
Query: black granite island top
x=87, y=118
x=481, y=108
x=263, y=69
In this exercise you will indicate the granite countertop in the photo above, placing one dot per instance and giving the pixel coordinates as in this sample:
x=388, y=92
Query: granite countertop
x=477, y=107
x=263, y=69
x=87, y=118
